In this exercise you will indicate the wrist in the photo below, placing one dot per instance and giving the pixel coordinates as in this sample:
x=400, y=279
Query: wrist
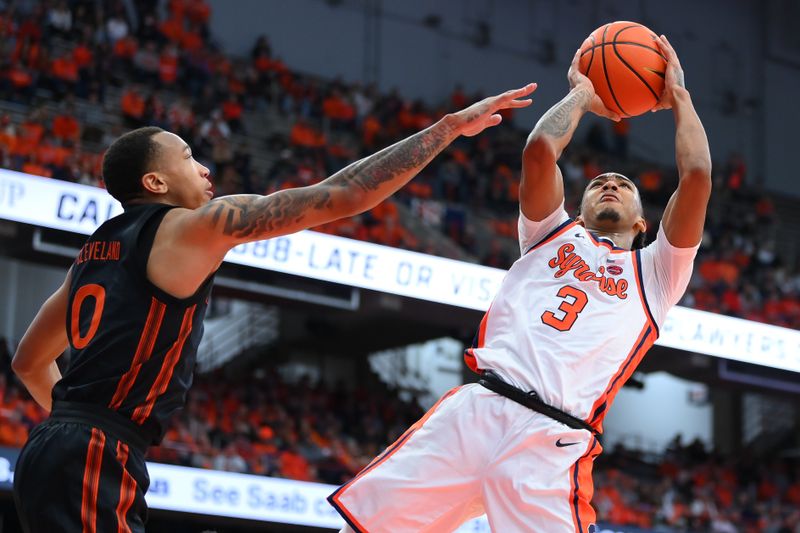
x=680, y=93
x=451, y=124
x=585, y=87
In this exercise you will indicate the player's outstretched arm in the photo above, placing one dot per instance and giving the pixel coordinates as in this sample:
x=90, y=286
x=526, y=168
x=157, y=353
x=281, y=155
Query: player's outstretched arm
x=46, y=339
x=541, y=187
x=685, y=213
x=228, y=221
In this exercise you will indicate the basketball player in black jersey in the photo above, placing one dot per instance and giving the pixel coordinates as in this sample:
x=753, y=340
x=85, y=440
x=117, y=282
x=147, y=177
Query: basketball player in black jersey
x=132, y=305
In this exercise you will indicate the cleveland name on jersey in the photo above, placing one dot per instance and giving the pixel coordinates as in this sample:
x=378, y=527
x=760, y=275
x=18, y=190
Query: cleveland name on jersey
x=133, y=346
x=575, y=314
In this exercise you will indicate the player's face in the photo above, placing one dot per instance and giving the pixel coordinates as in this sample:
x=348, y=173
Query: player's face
x=611, y=202
x=186, y=179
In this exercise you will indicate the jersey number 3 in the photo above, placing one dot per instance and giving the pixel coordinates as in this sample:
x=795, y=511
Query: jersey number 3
x=574, y=302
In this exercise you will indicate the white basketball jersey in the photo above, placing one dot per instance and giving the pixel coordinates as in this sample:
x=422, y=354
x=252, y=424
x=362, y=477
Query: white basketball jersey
x=575, y=315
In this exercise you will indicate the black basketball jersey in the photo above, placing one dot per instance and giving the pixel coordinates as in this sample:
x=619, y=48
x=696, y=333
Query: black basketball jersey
x=133, y=346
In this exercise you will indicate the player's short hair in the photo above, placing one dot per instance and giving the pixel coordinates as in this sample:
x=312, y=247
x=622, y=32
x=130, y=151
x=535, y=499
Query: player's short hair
x=615, y=174
x=129, y=158
x=640, y=240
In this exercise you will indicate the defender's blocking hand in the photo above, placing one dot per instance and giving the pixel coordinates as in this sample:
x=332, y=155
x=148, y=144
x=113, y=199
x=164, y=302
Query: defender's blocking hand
x=481, y=115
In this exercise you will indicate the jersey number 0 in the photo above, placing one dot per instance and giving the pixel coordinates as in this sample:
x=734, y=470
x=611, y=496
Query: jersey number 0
x=574, y=302
x=99, y=295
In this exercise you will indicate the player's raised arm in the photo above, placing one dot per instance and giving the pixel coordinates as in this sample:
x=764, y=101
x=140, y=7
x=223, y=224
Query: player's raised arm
x=46, y=339
x=227, y=221
x=541, y=188
x=685, y=213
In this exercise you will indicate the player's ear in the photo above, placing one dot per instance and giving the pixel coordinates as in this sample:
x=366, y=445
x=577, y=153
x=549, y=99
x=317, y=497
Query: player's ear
x=154, y=183
x=579, y=221
x=640, y=226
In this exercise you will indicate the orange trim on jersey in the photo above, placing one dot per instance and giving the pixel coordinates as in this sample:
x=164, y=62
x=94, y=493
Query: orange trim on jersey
x=349, y=518
x=643, y=343
x=161, y=383
x=334, y=498
x=127, y=490
x=91, y=481
x=637, y=269
x=581, y=488
x=144, y=350
x=612, y=249
x=569, y=224
x=471, y=360
x=647, y=337
x=469, y=353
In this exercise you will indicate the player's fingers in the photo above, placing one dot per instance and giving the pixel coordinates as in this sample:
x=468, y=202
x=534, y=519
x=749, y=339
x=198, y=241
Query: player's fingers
x=518, y=93
x=519, y=103
x=616, y=117
x=494, y=120
x=666, y=47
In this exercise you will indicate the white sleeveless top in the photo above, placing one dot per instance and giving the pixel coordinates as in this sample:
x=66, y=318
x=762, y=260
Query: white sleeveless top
x=575, y=315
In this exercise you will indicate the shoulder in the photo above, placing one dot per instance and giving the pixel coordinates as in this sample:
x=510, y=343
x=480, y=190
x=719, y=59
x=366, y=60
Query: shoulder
x=661, y=248
x=532, y=233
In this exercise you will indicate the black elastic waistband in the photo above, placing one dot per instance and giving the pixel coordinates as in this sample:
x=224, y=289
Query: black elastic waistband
x=531, y=400
x=103, y=418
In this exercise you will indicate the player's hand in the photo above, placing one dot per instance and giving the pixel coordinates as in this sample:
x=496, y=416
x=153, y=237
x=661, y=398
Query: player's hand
x=481, y=115
x=578, y=80
x=673, y=77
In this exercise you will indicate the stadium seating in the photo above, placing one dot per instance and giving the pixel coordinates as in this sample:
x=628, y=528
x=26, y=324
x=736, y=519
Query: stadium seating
x=299, y=128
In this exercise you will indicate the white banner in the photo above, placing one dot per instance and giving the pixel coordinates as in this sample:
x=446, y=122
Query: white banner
x=210, y=492
x=372, y=266
x=732, y=338
x=267, y=499
x=80, y=209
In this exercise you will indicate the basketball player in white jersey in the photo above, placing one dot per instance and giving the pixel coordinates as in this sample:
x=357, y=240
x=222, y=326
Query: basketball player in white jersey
x=571, y=321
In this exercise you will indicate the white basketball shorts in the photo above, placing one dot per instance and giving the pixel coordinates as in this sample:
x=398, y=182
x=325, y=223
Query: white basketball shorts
x=476, y=452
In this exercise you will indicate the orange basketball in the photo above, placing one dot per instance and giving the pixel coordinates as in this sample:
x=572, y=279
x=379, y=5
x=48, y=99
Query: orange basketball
x=626, y=67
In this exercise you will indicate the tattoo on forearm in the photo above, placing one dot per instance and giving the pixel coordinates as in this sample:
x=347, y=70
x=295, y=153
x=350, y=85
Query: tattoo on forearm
x=247, y=216
x=250, y=215
x=558, y=119
x=395, y=161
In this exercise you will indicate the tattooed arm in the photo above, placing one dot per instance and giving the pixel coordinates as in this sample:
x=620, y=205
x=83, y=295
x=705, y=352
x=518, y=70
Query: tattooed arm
x=227, y=221
x=197, y=240
x=541, y=187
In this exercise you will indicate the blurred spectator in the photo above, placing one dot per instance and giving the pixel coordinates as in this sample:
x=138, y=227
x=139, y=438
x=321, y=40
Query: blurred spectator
x=168, y=65
x=147, y=63
x=59, y=19
x=229, y=460
x=116, y=25
x=133, y=107
x=65, y=125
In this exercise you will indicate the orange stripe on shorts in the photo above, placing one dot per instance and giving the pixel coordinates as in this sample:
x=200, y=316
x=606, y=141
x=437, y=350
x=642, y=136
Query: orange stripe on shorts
x=91, y=481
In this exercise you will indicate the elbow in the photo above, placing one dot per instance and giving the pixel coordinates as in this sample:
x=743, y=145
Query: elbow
x=540, y=148
x=20, y=365
x=346, y=201
x=697, y=177
x=696, y=171
x=354, y=202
